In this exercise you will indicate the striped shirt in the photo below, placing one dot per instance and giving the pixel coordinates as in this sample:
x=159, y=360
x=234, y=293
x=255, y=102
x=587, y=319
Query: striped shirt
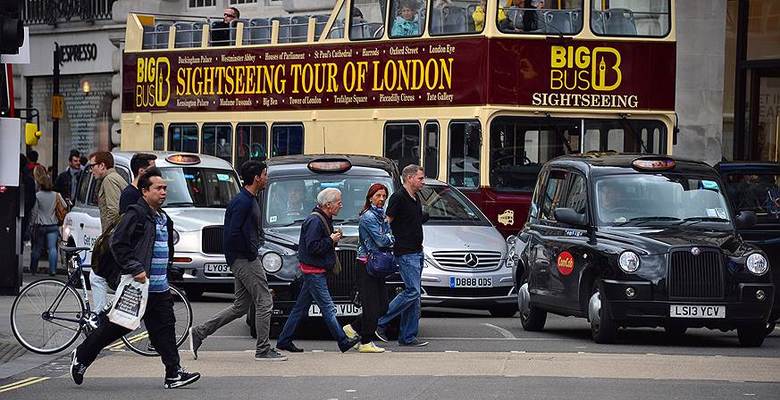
x=158, y=273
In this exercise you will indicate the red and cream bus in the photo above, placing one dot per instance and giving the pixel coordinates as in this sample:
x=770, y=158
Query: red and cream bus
x=480, y=95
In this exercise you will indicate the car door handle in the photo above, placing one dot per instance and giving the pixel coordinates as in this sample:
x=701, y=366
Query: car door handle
x=81, y=225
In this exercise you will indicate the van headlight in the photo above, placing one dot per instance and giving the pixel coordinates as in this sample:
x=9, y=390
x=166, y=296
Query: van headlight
x=272, y=262
x=756, y=263
x=628, y=261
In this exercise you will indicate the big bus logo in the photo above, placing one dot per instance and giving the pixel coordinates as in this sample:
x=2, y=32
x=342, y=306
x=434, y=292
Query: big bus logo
x=583, y=68
x=153, y=88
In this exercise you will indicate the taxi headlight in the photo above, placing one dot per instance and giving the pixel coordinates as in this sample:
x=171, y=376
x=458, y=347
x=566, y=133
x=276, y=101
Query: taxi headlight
x=272, y=262
x=628, y=261
x=757, y=264
x=176, y=237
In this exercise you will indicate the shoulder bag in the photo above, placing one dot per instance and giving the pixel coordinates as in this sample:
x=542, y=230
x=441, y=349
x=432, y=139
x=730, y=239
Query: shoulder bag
x=381, y=263
x=60, y=209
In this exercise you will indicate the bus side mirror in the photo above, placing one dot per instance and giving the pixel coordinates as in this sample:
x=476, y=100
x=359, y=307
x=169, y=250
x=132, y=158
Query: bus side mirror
x=569, y=217
x=746, y=219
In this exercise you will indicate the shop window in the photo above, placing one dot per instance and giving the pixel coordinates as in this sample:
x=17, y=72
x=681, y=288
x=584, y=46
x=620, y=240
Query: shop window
x=402, y=143
x=286, y=139
x=464, y=158
x=183, y=137
x=251, y=139
x=216, y=140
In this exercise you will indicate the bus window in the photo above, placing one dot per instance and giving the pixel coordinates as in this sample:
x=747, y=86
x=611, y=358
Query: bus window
x=183, y=137
x=625, y=136
x=464, y=138
x=251, y=139
x=286, y=139
x=407, y=18
x=431, y=146
x=337, y=30
x=402, y=143
x=367, y=19
x=159, y=137
x=649, y=18
x=540, y=17
x=216, y=140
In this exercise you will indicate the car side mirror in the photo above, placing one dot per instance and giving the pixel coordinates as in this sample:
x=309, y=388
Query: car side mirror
x=746, y=219
x=569, y=217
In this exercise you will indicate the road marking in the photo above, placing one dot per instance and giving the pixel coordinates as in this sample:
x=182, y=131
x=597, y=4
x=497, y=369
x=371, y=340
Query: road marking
x=501, y=339
x=451, y=351
x=23, y=383
x=505, y=333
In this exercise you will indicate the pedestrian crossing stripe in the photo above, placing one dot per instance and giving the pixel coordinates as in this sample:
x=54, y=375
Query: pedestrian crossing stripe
x=24, y=382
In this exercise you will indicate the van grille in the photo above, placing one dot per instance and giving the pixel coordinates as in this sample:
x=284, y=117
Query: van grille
x=696, y=276
x=212, y=240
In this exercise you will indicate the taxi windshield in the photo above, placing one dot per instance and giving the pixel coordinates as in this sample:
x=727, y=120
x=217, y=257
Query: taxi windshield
x=199, y=187
x=644, y=199
x=289, y=201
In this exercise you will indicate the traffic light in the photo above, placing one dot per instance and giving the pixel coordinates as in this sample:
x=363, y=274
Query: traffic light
x=11, y=27
x=31, y=134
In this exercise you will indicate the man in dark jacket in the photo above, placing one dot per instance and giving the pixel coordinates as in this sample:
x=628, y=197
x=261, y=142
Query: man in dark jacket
x=317, y=256
x=143, y=246
x=242, y=241
x=68, y=180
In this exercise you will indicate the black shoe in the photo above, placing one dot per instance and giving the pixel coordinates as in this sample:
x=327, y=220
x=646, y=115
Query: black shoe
x=77, y=369
x=381, y=334
x=270, y=355
x=291, y=347
x=182, y=378
x=415, y=343
x=348, y=345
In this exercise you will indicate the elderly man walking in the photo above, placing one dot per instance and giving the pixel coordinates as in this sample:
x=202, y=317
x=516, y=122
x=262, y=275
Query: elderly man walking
x=317, y=256
x=404, y=211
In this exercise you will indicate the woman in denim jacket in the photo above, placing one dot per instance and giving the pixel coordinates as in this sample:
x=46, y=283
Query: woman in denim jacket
x=374, y=234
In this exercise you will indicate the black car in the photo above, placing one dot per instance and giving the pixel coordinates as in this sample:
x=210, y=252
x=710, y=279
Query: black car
x=755, y=186
x=631, y=240
x=289, y=197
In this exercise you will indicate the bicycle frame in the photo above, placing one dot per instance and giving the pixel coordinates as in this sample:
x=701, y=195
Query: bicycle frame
x=75, y=276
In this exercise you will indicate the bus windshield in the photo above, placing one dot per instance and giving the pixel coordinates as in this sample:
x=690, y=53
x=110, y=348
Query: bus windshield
x=199, y=187
x=290, y=201
x=520, y=145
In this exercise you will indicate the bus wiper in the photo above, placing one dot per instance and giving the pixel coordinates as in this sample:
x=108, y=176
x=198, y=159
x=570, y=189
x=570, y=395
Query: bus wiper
x=647, y=219
x=628, y=127
x=180, y=204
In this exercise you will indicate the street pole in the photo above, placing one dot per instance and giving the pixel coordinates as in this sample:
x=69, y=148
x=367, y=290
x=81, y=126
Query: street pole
x=55, y=127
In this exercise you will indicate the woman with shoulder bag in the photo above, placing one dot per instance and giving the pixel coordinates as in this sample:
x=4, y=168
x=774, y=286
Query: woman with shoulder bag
x=45, y=224
x=374, y=251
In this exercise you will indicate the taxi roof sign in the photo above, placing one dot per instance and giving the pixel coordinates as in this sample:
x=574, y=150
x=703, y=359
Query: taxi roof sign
x=653, y=164
x=183, y=159
x=330, y=165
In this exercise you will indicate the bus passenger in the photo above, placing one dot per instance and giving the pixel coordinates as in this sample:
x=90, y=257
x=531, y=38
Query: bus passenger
x=531, y=17
x=479, y=16
x=220, y=30
x=406, y=23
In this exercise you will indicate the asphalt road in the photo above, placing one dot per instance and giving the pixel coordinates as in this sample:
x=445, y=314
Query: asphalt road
x=471, y=356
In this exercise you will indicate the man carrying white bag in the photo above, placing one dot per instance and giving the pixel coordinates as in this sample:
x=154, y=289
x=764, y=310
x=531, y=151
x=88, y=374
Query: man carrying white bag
x=142, y=245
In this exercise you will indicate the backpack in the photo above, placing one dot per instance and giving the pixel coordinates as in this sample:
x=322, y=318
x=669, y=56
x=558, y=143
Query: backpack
x=103, y=263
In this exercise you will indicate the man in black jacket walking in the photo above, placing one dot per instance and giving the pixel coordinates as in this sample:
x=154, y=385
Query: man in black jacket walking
x=143, y=246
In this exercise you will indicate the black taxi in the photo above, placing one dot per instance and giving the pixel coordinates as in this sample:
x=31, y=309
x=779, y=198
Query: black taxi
x=635, y=240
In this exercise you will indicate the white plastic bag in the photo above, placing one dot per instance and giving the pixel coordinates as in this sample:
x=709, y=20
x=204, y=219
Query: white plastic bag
x=129, y=303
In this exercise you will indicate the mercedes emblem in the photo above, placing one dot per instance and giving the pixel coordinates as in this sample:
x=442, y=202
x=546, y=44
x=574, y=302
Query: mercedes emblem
x=471, y=260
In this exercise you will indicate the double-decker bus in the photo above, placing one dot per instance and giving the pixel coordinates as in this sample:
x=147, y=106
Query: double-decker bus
x=480, y=93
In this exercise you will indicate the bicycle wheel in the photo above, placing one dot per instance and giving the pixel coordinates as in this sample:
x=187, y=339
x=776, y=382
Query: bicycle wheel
x=138, y=340
x=46, y=316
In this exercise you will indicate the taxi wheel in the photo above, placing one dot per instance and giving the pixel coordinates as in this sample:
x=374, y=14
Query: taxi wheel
x=603, y=329
x=770, y=327
x=532, y=318
x=751, y=336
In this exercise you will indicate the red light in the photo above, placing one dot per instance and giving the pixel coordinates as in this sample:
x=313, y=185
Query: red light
x=330, y=165
x=3, y=189
x=653, y=164
x=184, y=260
x=183, y=159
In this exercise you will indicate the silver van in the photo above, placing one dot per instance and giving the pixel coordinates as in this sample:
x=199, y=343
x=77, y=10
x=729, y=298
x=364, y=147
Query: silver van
x=465, y=256
x=199, y=189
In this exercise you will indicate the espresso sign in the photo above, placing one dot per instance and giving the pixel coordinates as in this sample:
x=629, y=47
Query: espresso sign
x=389, y=74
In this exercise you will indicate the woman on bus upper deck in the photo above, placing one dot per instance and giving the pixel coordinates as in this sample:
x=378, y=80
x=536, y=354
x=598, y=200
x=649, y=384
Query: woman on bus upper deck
x=407, y=23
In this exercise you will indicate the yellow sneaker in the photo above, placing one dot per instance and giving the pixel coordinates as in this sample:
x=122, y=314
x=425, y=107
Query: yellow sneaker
x=370, y=348
x=351, y=334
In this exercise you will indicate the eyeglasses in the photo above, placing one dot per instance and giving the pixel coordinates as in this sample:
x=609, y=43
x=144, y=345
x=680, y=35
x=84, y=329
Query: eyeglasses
x=229, y=15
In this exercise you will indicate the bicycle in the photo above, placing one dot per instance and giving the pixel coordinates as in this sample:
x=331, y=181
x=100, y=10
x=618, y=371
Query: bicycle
x=48, y=315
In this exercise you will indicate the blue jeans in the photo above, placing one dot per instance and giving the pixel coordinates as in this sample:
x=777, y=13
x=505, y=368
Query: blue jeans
x=45, y=235
x=315, y=288
x=407, y=303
